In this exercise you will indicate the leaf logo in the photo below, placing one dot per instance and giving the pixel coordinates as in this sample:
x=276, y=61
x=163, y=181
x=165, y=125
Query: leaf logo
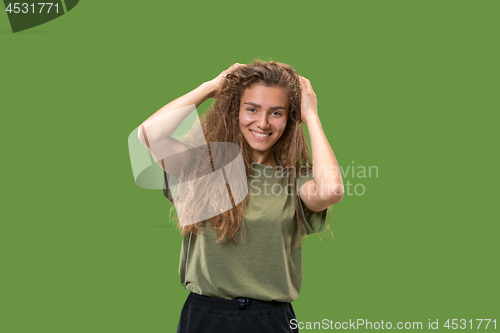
x=29, y=14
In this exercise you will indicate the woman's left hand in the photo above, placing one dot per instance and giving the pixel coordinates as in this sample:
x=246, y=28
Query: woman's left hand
x=309, y=104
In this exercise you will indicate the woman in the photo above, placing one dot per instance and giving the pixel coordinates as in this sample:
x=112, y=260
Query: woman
x=243, y=267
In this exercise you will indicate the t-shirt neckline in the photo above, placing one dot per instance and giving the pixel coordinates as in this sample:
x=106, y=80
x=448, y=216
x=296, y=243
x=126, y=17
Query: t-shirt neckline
x=263, y=165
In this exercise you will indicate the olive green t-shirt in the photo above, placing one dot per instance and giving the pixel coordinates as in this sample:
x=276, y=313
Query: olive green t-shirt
x=263, y=264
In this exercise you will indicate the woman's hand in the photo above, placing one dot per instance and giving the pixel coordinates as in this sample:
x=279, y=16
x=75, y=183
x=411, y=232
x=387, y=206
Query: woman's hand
x=309, y=104
x=217, y=82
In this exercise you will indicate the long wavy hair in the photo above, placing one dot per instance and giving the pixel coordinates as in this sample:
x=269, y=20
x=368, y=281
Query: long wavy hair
x=221, y=124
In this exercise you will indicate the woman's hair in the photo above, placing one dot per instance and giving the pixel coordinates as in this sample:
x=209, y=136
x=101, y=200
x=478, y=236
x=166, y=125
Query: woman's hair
x=221, y=124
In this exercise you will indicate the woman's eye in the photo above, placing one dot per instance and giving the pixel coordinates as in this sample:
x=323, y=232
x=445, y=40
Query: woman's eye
x=250, y=109
x=277, y=113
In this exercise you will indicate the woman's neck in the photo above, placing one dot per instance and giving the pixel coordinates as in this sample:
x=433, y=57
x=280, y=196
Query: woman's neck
x=265, y=160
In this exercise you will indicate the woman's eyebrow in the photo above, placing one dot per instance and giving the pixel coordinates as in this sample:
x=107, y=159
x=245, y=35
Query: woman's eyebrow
x=258, y=106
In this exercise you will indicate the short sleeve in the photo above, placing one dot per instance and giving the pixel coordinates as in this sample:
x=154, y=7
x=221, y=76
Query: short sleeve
x=314, y=221
x=166, y=189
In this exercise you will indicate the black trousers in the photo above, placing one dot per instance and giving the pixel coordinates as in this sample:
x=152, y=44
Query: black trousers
x=240, y=315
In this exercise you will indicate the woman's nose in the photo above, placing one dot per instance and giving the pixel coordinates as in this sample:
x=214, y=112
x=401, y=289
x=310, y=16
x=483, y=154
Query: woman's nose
x=263, y=121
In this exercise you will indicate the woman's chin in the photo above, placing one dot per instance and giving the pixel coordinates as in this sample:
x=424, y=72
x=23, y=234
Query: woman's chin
x=262, y=147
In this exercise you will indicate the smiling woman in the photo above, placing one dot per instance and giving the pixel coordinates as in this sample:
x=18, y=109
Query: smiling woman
x=243, y=267
x=261, y=123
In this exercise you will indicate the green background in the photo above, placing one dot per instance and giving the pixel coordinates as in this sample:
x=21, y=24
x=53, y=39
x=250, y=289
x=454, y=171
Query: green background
x=408, y=86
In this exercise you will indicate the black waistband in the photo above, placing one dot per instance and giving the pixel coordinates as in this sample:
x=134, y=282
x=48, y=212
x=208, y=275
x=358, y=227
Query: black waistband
x=235, y=303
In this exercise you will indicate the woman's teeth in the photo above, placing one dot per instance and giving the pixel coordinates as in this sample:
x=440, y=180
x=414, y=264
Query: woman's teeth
x=260, y=135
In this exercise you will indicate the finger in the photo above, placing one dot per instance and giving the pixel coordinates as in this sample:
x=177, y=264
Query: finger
x=307, y=83
x=305, y=86
x=232, y=69
x=236, y=67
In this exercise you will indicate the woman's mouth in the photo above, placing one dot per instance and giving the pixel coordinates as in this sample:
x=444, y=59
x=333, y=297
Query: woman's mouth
x=260, y=136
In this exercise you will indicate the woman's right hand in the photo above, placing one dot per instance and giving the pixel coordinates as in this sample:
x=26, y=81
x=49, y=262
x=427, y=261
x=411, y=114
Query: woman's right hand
x=217, y=82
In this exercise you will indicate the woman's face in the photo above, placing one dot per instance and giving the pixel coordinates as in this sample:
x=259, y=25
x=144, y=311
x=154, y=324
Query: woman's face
x=263, y=115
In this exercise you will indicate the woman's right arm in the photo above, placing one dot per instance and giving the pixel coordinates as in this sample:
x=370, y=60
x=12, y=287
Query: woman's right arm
x=155, y=132
x=166, y=120
x=196, y=97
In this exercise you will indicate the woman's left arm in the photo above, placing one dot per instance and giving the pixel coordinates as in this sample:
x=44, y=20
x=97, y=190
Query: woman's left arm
x=327, y=188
